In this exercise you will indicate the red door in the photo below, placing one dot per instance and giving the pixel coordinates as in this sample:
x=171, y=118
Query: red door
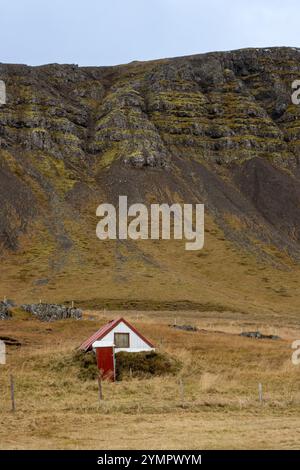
x=106, y=362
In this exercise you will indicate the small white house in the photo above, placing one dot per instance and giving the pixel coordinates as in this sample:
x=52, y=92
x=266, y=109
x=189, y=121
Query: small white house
x=121, y=335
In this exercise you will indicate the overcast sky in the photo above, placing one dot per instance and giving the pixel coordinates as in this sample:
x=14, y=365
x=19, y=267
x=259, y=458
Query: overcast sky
x=105, y=32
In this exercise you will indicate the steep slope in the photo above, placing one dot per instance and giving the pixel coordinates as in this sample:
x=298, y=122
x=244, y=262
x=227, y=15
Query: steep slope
x=218, y=128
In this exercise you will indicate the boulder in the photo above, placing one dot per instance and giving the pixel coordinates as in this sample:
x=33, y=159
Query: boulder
x=258, y=335
x=185, y=327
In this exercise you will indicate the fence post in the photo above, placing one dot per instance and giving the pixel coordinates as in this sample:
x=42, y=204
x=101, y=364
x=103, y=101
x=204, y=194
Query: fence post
x=100, y=386
x=181, y=391
x=260, y=393
x=12, y=393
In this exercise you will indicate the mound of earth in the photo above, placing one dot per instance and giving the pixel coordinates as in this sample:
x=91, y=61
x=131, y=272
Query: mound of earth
x=144, y=364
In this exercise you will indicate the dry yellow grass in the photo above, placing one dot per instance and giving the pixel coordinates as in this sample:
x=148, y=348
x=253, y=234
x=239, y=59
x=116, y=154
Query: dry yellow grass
x=221, y=372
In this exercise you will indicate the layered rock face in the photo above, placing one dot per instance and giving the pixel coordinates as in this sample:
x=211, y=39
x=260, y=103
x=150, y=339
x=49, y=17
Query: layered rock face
x=222, y=106
x=218, y=128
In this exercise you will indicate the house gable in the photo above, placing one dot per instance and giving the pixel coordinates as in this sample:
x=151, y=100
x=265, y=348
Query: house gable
x=137, y=340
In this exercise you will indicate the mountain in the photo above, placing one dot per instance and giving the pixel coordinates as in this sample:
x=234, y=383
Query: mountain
x=218, y=128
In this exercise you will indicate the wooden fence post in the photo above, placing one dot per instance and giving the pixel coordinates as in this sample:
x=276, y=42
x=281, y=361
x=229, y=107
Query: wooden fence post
x=100, y=386
x=260, y=393
x=181, y=391
x=12, y=393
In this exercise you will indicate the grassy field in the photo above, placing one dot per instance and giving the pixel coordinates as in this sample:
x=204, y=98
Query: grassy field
x=149, y=273
x=218, y=408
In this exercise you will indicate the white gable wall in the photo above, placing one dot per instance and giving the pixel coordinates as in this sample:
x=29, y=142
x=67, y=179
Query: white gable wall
x=135, y=342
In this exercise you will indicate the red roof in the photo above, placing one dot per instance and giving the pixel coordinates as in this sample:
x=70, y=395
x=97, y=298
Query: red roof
x=102, y=332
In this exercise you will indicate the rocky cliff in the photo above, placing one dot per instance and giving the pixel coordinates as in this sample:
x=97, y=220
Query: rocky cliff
x=218, y=128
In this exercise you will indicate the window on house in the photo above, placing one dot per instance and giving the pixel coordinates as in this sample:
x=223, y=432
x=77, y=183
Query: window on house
x=121, y=340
